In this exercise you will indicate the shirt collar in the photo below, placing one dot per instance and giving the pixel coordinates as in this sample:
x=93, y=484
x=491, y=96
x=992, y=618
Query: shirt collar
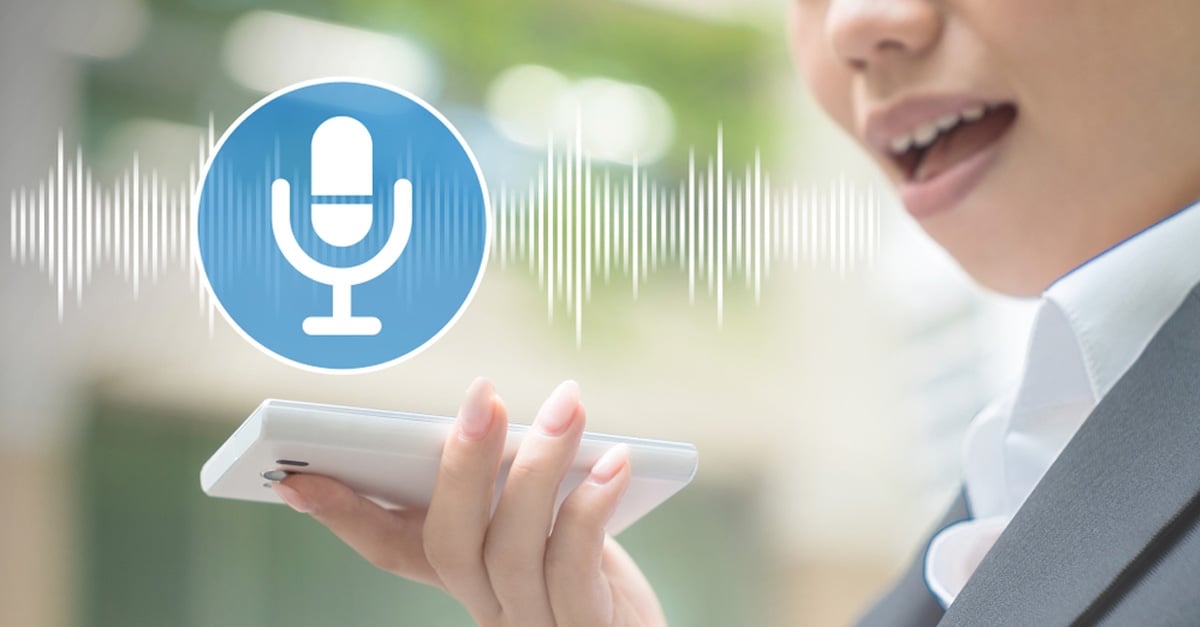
x=1092, y=324
x=1090, y=327
x=1116, y=302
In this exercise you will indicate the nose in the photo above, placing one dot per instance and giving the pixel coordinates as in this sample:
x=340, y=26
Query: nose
x=867, y=32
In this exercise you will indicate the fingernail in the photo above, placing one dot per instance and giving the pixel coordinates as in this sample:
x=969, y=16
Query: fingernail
x=475, y=417
x=558, y=410
x=609, y=464
x=293, y=498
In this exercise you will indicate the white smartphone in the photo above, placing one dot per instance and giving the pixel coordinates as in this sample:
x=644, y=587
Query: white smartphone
x=392, y=457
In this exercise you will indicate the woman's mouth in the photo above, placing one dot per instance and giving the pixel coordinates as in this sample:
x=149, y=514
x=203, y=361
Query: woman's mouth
x=945, y=150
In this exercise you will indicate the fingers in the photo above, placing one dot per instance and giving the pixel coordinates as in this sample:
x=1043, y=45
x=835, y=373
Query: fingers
x=391, y=540
x=579, y=591
x=509, y=567
x=516, y=542
x=457, y=521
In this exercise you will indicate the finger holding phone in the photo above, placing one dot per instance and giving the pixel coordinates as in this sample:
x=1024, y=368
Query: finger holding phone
x=519, y=565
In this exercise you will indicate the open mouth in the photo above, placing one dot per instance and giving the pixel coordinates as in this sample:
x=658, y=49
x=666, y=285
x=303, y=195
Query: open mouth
x=936, y=147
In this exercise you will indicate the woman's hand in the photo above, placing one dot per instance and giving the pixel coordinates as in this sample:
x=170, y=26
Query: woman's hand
x=510, y=569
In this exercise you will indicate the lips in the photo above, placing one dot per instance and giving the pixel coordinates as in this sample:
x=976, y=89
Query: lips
x=941, y=147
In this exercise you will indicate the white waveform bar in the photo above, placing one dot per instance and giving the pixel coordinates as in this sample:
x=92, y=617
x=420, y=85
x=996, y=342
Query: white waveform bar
x=574, y=225
x=716, y=226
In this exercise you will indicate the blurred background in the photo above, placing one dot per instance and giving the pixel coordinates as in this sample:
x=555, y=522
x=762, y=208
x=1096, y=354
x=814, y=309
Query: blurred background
x=827, y=413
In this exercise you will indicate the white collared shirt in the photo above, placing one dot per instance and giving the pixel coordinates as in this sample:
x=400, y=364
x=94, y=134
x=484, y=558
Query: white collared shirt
x=1090, y=327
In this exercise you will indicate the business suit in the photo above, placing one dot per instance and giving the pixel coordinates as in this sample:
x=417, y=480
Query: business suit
x=1111, y=534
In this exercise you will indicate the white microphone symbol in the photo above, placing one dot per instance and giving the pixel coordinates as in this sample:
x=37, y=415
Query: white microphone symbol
x=341, y=166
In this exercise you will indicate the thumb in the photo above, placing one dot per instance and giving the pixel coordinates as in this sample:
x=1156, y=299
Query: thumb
x=389, y=539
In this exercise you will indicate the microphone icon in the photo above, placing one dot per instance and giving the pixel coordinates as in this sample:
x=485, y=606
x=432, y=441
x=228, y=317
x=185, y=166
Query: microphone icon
x=346, y=161
x=342, y=166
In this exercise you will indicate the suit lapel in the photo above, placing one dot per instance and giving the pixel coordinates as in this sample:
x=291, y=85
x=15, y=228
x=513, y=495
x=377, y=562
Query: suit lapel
x=1131, y=469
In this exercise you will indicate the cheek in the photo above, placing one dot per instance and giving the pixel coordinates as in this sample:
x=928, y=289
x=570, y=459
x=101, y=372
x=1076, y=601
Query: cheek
x=827, y=78
x=1074, y=60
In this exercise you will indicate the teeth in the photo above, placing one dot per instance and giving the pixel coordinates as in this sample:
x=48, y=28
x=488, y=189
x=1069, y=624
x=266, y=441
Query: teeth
x=947, y=122
x=925, y=134
x=901, y=144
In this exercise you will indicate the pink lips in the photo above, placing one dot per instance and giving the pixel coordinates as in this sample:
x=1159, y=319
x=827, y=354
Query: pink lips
x=940, y=193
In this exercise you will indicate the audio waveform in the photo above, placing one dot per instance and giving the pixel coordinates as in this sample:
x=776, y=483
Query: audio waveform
x=575, y=224
x=139, y=224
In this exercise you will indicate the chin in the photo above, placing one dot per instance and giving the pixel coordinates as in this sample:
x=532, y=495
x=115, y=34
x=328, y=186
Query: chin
x=1001, y=267
x=1008, y=283
x=996, y=255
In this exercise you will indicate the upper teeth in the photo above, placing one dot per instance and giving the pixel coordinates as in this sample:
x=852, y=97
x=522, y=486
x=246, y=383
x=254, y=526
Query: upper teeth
x=926, y=133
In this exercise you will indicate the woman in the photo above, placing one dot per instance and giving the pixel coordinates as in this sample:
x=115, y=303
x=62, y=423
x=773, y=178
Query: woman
x=1049, y=146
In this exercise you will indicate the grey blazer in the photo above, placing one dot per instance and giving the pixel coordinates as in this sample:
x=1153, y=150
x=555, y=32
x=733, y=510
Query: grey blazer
x=1111, y=535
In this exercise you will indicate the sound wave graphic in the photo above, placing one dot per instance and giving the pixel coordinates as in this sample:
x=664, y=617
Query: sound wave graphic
x=138, y=224
x=571, y=227
x=576, y=224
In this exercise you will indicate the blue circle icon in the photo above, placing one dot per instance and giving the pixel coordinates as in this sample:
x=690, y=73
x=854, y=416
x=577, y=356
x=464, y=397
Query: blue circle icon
x=342, y=225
